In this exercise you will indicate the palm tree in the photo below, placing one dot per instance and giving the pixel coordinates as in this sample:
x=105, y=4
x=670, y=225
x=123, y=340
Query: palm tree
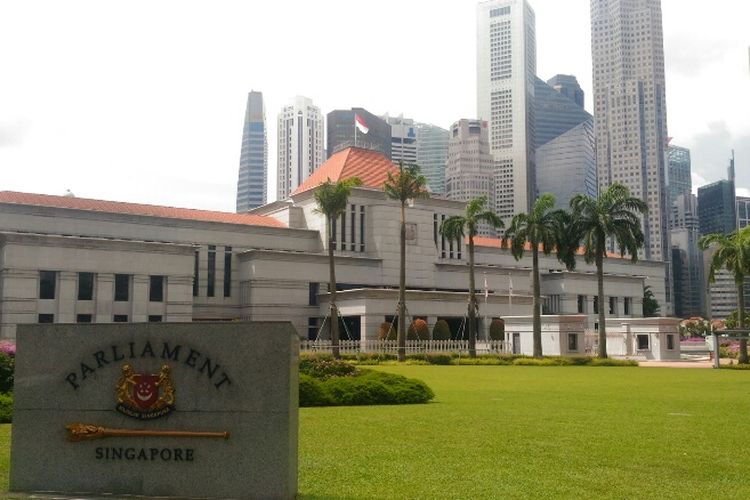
x=332, y=198
x=615, y=215
x=406, y=185
x=543, y=228
x=455, y=228
x=733, y=254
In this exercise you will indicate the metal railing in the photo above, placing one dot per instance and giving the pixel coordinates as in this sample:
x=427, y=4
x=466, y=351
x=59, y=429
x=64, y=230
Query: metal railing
x=412, y=346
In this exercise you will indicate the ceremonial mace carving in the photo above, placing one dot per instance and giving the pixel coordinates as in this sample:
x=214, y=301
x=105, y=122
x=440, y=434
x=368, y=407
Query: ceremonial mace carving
x=85, y=432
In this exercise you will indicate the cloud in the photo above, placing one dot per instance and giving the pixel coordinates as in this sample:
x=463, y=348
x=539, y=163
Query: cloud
x=686, y=55
x=710, y=153
x=13, y=133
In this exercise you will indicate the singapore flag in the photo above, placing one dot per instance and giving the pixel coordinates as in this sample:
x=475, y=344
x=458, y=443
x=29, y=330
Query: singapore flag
x=360, y=124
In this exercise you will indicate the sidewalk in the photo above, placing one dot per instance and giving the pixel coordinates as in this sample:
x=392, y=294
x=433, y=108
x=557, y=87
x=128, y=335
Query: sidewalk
x=685, y=363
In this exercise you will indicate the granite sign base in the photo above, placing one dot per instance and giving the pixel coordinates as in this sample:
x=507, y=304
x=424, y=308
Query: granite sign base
x=188, y=410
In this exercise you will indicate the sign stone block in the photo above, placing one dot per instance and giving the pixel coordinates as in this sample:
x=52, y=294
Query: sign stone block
x=183, y=410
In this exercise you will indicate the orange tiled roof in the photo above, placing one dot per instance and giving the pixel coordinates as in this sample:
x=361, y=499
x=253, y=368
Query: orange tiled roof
x=371, y=167
x=118, y=207
x=482, y=241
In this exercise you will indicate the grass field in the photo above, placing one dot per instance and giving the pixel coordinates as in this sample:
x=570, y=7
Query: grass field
x=520, y=432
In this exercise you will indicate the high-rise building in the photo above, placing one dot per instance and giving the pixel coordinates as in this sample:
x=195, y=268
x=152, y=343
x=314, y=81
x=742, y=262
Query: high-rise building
x=432, y=155
x=687, y=267
x=630, y=110
x=680, y=181
x=252, y=179
x=341, y=132
x=716, y=208
x=403, y=139
x=565, y=158
x=568, y=86
x=506, y=66
x=743, y=211
x=300, y=140
x=469, y=171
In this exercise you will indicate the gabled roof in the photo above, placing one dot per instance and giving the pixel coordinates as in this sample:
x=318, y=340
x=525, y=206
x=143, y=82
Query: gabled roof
x=371, y=167
x=483, y=241
x=117, y=207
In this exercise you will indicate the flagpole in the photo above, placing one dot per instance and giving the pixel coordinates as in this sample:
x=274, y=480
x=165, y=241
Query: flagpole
x=355, y=130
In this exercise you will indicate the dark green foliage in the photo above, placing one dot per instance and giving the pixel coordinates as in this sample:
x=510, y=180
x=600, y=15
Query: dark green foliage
x=731, y=321
x=735, y=367
x=6, y=408
x=497, y=329
x=438, y=358
x=418, y=330
x=7, y=368
x=311, y=392
x=441, y=330
x=650, y=306
x=612, y=362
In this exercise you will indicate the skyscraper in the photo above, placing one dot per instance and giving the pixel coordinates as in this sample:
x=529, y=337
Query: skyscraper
x=300, y=138
x=743, y=212
x=403, y=139
x=687, y=260
x=680, y=181
x=716, y=208
x=341, y=131
x=432, y=155
x=630, y=111
x=469, y=171
x=506, y=65
x=252, y=179
x=568, y=86
x=564, y=132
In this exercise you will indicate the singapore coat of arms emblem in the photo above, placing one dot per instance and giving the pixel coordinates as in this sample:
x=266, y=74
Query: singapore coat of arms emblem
x=145, y=396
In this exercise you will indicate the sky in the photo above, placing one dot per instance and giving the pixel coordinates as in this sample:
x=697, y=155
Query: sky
x=144, y=101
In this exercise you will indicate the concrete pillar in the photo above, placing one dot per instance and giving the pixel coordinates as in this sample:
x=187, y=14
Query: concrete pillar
x=67, y=284
x=139, y=299
x=105, y=295
x=431, y=320
x=370, y=326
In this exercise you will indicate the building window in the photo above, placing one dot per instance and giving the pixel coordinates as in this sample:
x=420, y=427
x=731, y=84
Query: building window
x=121, y=318
x=211, y=274
x=312, y=328
x=154, y=318
x=83, y=318
x=626, y=305
x=156, y=289
x=85, y=286
x=612, y=305
x=642, y=342
x=46, y=318
x=435, y=229
x=314, y=289
x=122, y=287
x=47, y=284
x=196, y=273
x=581, y=304
x=352, y=244
x=670, y=342
x=343, y=231
x=227, y=271
x=361, y=228
x=572, y=341
x=596, y=305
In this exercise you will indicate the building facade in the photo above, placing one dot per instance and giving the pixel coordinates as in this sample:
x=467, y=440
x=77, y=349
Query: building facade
x=432, y=155
x=743, y=211
x=565, y=157
x=568, y=86
x=403, y=140
x=506, y=67
x=680, y=180
x=687, y=259
x=69, y=259
x=341, y=132
x=300, y=141
x=253, y=173
x=716, y=208
x=469, y=171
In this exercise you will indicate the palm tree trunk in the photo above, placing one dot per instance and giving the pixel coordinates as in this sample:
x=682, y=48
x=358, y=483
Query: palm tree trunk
x=537, y=321
x=741, y=322
x=332, y=290
x=402, y=290
x=600, y=300
x=472, y=303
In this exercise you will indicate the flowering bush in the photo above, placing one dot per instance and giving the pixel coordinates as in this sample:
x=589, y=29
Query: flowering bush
x=8, y=348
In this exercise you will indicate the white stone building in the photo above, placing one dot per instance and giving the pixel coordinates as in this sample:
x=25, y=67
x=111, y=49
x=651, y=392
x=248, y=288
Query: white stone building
x=65, y=259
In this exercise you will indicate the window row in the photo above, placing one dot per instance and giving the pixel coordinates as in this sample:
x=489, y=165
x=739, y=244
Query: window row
x=211, y=272
x=89, y=318
x=86, y=286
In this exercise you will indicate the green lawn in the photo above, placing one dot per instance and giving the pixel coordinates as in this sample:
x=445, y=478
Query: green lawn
x=520, y=432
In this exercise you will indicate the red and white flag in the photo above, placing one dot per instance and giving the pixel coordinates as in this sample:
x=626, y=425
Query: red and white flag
x=360, y=124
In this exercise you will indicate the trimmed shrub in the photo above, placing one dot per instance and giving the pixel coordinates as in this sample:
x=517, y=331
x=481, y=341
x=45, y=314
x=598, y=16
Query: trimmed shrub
x=535, y=362
x=311, y=392
x=497, y=329
x=6, y=408
x=612, y=362
x=374, y=387
x=323, y=369
x=418, y=330
x=438, y=358
x=735, y=367
x=441, y=330
x=386, y=332
x=7, y=369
